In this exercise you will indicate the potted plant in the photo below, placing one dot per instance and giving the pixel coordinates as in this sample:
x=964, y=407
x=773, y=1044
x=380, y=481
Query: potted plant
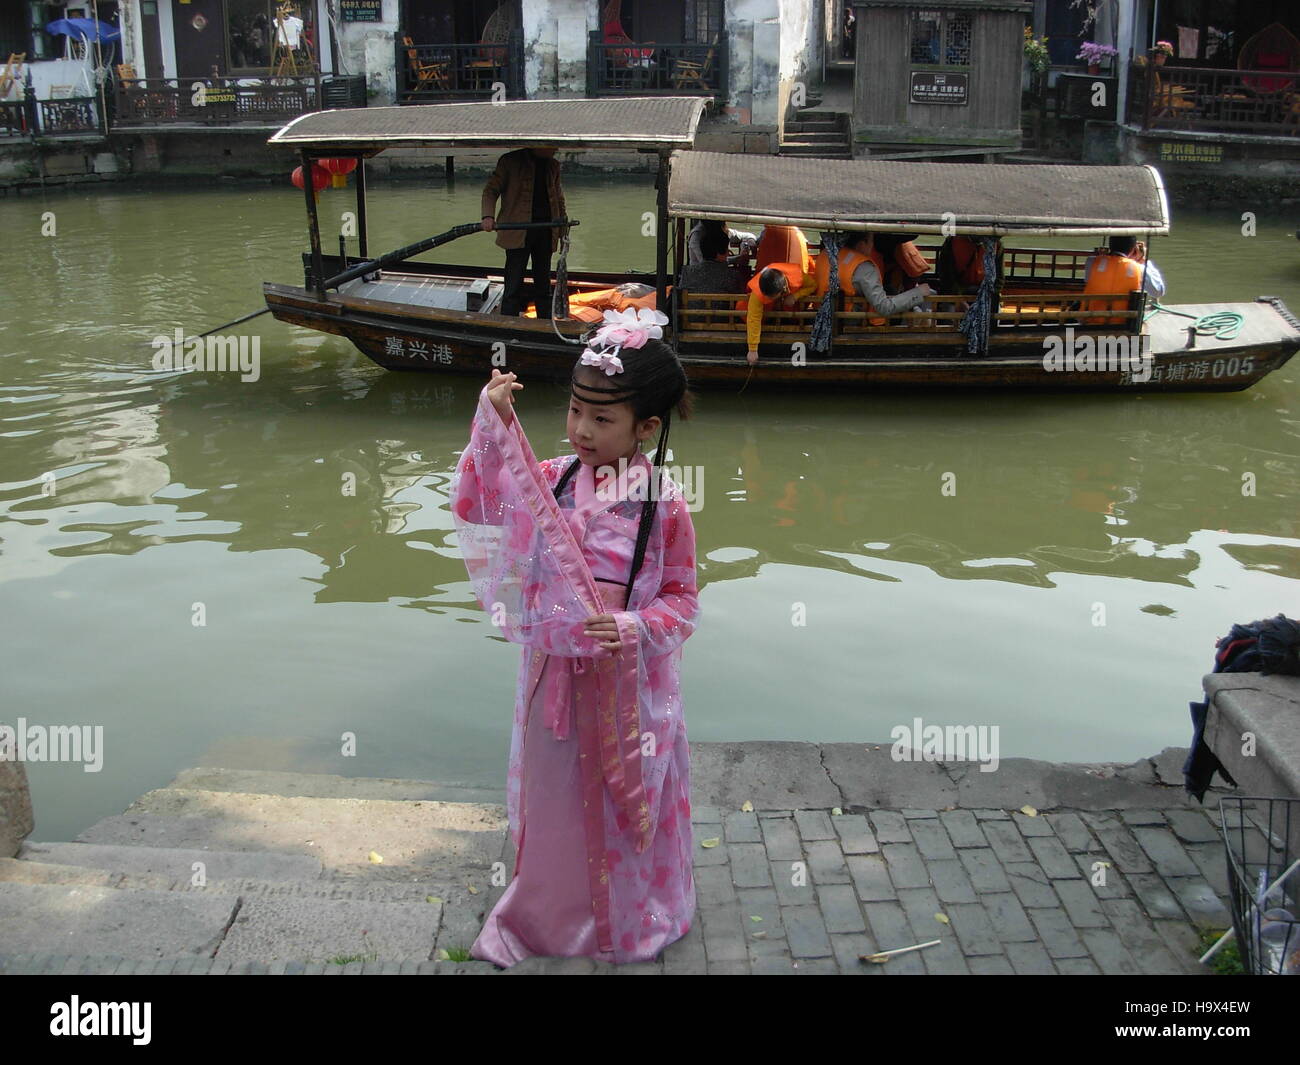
x=1036, y=58
x=1093, y=54
x=1162, y=51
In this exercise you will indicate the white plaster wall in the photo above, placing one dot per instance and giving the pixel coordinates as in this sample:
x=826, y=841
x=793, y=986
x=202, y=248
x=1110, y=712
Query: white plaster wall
x=754, y=39
x=47, y=73
x=369, y=48
x=801, y=47
x=552, y=68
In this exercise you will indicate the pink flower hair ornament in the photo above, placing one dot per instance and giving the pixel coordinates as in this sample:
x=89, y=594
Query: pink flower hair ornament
x=629, y=328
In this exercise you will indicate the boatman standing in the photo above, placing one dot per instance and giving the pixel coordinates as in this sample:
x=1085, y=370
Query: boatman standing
x=528, y=184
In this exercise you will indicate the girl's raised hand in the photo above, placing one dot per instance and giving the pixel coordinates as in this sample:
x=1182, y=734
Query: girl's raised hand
x=501, y=392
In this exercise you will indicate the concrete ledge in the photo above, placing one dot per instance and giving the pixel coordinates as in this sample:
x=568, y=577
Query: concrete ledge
x=1267, y=708
x=784, y=775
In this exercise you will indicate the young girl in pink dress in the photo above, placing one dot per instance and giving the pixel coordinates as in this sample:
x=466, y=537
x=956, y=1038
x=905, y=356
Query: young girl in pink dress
x=589, y=562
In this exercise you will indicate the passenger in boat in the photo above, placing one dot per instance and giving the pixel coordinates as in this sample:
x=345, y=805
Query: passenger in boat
x=528, y=184
x=904, y=263
x=1130, y=248
x=695, y=247
x=960, y=265
x=782, y=284
x=712, y=273
x=1116, y=270
x=861, y=269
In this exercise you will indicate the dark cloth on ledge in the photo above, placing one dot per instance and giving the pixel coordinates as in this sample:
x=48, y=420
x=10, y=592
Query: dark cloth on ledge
x=1268, y=646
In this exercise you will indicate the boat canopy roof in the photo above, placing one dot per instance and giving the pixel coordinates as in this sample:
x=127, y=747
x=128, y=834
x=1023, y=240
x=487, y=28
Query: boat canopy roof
x=661, y=122
x=918, y=197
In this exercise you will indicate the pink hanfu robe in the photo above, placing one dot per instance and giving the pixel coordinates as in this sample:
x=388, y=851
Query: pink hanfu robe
x=598, y=788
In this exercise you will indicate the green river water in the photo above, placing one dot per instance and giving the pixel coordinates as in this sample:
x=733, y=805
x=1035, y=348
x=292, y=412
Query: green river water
x=127, y=496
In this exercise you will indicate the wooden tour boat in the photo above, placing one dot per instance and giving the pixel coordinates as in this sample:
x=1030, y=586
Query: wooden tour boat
x=409, y=315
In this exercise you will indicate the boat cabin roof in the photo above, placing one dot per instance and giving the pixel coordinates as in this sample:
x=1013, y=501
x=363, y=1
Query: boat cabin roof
x=918, y=197
x=660, y=122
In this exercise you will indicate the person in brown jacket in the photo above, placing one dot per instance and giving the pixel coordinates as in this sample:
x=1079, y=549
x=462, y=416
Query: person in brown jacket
x=528, y=184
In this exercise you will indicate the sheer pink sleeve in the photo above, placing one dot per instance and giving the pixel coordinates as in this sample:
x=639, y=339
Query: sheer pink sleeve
x=523, y=563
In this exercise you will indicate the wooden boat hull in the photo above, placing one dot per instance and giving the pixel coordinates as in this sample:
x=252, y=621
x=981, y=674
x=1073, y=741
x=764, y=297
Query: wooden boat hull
x=427, y=339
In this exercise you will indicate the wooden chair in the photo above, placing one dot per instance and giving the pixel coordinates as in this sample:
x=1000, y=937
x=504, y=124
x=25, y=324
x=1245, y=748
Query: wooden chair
x=1272, y=48
x=690, y=74
x=627, y=65
x=1171, y=101
x=487, y=63
x=12, y=74
x=427, y=76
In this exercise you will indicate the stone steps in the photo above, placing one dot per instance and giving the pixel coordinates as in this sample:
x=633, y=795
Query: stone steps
x=817, y=132
x=286, y=875
x=424, y=838
x=328, y=786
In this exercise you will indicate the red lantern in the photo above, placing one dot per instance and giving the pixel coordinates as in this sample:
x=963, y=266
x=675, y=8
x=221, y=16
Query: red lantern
x=319, y=178
x=338, y=169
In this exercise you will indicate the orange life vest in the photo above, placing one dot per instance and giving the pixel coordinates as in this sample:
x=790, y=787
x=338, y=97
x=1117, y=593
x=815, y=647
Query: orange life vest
x=782, y=244
x=1116, y=275
x=591, y=306
x=967, y=260
x=910, y=260
x=849, y=261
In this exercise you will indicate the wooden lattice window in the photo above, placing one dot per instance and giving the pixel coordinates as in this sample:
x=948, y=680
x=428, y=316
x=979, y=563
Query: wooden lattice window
x=941, y=38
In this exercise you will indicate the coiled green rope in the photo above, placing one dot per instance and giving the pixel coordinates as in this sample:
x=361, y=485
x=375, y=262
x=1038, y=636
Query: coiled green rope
x=1222, y=325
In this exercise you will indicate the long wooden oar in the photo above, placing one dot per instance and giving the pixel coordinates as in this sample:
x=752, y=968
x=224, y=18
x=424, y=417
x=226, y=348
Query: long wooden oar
x=407, y=252
x=433, y=242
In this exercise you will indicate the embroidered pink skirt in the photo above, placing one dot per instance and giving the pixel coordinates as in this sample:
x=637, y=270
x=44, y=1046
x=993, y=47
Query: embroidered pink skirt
x=547, y=908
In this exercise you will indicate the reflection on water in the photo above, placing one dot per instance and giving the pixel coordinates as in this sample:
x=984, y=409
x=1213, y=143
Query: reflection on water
x=242, y=574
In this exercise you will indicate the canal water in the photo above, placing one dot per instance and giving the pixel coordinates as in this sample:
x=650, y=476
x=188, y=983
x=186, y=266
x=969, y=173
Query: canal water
x=135, y=503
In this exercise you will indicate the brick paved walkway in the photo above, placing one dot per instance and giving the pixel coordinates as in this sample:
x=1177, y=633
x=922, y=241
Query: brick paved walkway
x=792, y=887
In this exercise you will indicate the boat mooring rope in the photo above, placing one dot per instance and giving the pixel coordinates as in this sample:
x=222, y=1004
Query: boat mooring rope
x=560, y=297
x=1222, y=325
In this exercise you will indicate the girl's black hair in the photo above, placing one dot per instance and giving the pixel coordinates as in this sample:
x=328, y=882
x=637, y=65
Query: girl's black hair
x=654, y=383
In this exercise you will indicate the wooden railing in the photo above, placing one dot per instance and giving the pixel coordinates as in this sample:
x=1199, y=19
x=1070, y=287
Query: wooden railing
x=1206, y=99
x=228, y=101
x=76, y=114
x=50, y=118
x=647, y=68
x=430, y=73
x=715, y=314
x=17, y=118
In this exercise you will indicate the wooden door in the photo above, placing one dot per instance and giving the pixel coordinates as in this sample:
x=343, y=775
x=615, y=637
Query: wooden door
x=152, y=35
x=200, y=38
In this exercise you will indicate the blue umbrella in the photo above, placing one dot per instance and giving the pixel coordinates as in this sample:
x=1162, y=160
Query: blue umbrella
x=86, y=28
